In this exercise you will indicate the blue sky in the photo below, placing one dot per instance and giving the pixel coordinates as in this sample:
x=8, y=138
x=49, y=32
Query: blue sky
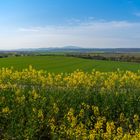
x=57, y=23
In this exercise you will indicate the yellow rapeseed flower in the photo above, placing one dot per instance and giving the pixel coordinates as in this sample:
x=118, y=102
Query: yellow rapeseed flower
x=5, y=110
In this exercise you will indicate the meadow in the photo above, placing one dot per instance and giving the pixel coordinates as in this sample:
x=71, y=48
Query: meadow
x=58, y=64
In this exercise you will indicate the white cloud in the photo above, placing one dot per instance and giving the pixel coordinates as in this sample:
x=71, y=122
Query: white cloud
x=97, y=34
x=29, y=29
x=137, y=14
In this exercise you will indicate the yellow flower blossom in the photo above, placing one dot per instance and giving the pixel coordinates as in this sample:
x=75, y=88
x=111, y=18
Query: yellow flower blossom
x=5, y=110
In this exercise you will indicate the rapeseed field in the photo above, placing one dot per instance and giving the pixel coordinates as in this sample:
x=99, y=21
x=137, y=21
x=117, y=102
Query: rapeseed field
x=35, y=104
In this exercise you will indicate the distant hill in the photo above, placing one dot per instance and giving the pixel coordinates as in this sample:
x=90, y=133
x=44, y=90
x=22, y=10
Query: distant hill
x=80, y=49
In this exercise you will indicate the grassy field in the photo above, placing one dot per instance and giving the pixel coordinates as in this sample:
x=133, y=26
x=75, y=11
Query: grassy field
x=59, y=64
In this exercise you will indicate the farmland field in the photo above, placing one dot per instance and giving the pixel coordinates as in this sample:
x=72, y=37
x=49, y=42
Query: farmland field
x=58, y=64
x=98, y=101
x=36, y=105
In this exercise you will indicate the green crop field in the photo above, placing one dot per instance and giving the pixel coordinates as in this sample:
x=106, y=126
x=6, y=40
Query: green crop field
x=65, y=64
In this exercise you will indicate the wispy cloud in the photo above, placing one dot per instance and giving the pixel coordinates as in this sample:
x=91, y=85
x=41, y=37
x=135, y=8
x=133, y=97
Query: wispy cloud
x=137, y=14
x=85, y=27
x=76, y=21
x=33, y=29
x=85, y=34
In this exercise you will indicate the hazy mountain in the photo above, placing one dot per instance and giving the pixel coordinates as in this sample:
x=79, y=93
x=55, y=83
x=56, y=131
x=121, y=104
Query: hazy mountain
x=80, y=49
